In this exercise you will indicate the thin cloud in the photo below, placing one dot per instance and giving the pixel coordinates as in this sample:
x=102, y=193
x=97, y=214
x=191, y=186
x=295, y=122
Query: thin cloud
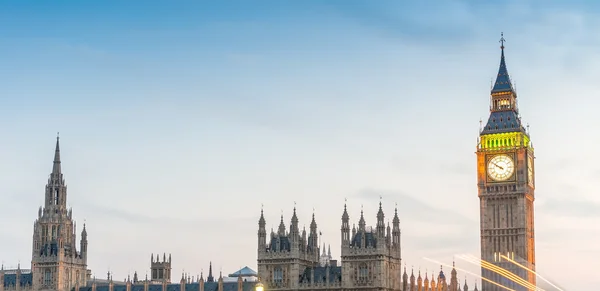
x=159, y=220
x=576, y=207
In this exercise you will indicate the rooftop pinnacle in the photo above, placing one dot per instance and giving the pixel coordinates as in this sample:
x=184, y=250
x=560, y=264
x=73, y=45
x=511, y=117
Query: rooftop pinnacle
x=56, y=163
x=502, y=83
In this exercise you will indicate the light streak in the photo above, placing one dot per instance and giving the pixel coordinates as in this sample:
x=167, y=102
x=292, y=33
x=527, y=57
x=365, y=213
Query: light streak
x=499, y=270
x=532, y=271
x=489, y=266
x=470, y=273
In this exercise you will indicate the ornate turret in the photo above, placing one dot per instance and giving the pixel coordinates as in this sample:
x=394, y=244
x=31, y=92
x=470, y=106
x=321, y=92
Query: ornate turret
x=313, y=240
x=262, y=232
x=380, y=222
x=345, y=227
x=294, y=229
x=84, y=243
x=453, y=279
x=405, y=280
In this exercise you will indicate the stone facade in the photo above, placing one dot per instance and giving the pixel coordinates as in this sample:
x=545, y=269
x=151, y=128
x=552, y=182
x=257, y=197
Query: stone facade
x=371, y=259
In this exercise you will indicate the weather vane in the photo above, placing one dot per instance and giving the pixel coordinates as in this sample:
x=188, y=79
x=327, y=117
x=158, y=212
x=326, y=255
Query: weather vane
x=502, y=40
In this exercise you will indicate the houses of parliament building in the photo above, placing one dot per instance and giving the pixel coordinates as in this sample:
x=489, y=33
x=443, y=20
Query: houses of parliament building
x=291, y=259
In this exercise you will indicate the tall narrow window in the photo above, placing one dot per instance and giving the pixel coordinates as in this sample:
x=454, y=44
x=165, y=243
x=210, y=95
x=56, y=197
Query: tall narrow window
x=278, y=275
x=48, y=278
x=56, y=196
x=363, y=272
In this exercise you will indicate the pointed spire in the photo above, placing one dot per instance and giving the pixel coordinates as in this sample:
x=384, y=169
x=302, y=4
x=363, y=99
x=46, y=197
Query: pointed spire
x=361, y=222
x=329, y=251
x=210, y=276
x=503, y=83
x=281, y=230
x=313, y=223
x=294, y=216
x=345, y=216
x=84, y=232
x=56, y=163
x=380, y=215
x=261, y=221
x=396, y=220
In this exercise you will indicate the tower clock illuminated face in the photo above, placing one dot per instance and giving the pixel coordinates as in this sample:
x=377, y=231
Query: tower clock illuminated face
x=501, y=167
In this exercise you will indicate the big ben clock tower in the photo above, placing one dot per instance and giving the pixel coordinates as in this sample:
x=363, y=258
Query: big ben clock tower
x=506, y=184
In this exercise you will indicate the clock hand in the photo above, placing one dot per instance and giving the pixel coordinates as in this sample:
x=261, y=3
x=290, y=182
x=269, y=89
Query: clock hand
x=501, y=168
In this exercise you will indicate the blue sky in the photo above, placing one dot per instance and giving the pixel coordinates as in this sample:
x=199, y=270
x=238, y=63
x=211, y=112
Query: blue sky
x=179, y=119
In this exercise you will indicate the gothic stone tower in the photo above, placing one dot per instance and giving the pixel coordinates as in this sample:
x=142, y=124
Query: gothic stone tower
x=288, y=254
x=160, y=271
x=505, y=180
x=371, y=258
x=56, y=264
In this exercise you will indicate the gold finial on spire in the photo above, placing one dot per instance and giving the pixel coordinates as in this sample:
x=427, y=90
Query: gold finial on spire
x=502, y=40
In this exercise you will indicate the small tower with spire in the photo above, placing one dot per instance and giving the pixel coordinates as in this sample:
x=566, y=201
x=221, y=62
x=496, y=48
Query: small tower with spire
x=345, y=228
x=262, y=232
x=453, y=279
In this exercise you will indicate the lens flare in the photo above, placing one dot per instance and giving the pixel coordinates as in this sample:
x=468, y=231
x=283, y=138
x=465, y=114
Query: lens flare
x=509, y=275
x=532, y=271
x=470, y=273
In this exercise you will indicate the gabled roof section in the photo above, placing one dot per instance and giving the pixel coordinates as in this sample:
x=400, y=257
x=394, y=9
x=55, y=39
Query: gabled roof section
x=244, y=272
x=503, y=83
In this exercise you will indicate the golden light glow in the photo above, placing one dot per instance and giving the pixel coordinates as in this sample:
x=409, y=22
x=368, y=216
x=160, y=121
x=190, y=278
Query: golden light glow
x=505, y=140
x=489, y=266
x=532, y=271
x=470, y=273
x=259, y=287
x=498, y=270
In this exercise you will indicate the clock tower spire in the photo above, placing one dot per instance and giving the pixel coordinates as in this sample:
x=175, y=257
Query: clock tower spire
x=505, y=182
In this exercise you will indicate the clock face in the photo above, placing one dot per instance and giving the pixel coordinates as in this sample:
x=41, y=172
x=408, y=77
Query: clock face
x=501, y=167
x=530, y=169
